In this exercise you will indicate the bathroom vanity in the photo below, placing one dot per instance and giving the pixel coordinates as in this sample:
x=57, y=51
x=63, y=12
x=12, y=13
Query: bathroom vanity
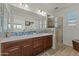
x=26, y=45
x=18, y=38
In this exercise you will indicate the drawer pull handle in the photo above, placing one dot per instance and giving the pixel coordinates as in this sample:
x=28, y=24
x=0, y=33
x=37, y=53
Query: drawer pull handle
x=13, y=49
x=26, y=45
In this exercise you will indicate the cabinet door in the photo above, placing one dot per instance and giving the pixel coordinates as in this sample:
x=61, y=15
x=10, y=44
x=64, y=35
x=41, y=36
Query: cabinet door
x=27, y=50
x=37, y=42
x=38, y=45
x=47, y=42
x=13, y=51
x=37, y=50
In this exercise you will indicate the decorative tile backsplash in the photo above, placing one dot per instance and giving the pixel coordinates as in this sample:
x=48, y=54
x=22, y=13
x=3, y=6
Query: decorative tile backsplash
x=9, y=34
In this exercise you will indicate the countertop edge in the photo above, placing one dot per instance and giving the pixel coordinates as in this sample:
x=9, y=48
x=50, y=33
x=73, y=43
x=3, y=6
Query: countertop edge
x=23, y=37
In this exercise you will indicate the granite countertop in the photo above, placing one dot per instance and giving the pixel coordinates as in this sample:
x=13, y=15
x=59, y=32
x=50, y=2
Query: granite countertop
x=76, y=40
x=23, y=37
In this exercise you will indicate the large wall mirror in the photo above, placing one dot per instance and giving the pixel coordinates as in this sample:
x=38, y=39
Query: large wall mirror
x=1, y=19
x=16, y=19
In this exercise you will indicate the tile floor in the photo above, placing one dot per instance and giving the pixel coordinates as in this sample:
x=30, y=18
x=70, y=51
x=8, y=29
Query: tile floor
x=64, y=51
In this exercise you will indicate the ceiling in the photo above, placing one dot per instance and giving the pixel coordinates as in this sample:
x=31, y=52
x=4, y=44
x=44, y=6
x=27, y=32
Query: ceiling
x=48, y=7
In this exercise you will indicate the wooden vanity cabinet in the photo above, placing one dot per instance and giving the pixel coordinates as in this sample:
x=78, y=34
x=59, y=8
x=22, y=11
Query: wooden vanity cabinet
x=13, y=51
x=27, y=50
x=10, y=49
x=17, y=48
x=47, y=42
x=26, y=47
x=37, y=45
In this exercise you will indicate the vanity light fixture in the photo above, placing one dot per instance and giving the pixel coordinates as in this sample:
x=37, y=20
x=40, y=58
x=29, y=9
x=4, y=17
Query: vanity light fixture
x=41, y=12
x=24, y=5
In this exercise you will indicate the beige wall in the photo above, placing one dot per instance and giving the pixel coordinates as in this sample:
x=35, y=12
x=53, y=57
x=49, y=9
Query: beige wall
x=69, y=32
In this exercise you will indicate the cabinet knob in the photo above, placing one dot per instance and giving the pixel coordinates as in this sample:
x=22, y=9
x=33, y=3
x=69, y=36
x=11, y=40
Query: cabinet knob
x=26, y=45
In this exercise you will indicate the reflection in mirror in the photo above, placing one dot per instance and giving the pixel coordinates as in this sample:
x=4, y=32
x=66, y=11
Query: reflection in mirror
x=9, y=26
x=14, y=26
x=19, y=26
x=1, y=19
x=28, y=23
x=19, y=20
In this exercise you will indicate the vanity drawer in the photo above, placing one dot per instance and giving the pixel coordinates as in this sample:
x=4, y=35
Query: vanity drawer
x=9, y=44
x=37, y=50
x=27, y=42
x=37, y=42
